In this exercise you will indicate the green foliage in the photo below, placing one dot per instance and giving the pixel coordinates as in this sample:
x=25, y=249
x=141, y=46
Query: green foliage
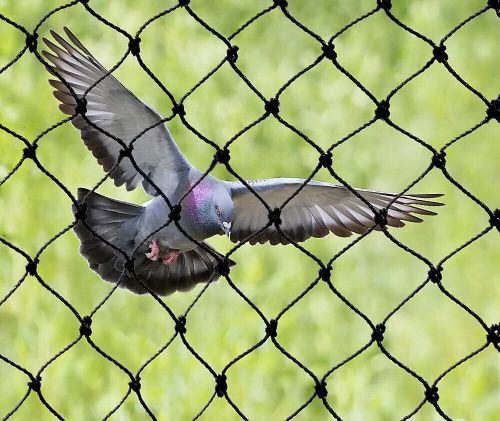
x=429, y=333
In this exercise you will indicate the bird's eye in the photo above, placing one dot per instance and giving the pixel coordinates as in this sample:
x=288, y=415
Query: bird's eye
x=217, y=211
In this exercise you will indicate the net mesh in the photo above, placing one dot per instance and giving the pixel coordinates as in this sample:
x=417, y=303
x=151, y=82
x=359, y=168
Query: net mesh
x=222, y=156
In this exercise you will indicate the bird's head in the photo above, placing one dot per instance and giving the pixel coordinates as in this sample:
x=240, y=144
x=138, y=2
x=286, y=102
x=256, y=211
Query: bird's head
x=210, y=208
x=222, y=210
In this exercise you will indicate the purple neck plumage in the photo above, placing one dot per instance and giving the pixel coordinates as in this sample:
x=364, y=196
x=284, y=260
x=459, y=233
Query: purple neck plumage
x=198, y=202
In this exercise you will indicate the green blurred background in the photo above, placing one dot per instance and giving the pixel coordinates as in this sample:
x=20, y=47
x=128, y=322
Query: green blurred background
x=429, y=334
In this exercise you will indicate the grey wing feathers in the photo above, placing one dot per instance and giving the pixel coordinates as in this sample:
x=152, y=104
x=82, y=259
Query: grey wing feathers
x=318, y=209
x=117, y=111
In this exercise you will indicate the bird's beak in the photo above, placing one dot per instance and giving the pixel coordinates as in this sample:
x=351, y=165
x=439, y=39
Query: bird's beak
x=226, y=227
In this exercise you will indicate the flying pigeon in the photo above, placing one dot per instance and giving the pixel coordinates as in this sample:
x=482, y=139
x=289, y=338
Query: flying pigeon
x=165, y=259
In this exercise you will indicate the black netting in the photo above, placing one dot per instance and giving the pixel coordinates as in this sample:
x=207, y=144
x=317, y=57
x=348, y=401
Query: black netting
x=270, y=109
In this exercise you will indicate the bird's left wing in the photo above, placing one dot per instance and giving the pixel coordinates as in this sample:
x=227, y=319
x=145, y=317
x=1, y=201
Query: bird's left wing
x=117, y=111
x=319, y=208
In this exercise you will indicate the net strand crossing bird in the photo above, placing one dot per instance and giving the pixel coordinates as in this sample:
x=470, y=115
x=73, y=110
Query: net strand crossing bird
x=169, y=261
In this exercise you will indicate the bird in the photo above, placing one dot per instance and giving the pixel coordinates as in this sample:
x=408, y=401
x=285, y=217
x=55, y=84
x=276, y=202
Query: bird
x=165, y=259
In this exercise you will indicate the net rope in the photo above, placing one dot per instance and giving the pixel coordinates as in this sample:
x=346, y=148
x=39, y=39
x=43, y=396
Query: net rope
x=270, y=110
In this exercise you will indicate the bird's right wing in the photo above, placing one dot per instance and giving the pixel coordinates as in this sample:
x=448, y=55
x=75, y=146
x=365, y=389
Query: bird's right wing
x=318, y=209
x=117, y=111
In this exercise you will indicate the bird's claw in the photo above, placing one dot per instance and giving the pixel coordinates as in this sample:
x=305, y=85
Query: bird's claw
x=154, y=251
x=171, y=256
x=154, y=254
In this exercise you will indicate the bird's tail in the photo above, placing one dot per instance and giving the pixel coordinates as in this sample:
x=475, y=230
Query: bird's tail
x=113, y=220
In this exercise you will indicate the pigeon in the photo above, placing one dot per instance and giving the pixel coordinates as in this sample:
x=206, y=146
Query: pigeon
x=164, y=259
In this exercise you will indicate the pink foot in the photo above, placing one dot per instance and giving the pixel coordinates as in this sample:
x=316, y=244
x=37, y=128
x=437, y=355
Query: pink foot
x=154, y=251
x=171, y=257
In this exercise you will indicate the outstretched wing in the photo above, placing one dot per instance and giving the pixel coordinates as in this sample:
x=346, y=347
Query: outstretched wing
x=117, y=111
x=318, y=209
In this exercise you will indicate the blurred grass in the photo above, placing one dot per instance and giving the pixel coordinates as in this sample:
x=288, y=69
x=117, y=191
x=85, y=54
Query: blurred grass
x=429, y=334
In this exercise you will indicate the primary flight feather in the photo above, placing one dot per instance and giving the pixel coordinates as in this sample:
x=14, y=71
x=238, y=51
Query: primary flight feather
x=169, y=261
